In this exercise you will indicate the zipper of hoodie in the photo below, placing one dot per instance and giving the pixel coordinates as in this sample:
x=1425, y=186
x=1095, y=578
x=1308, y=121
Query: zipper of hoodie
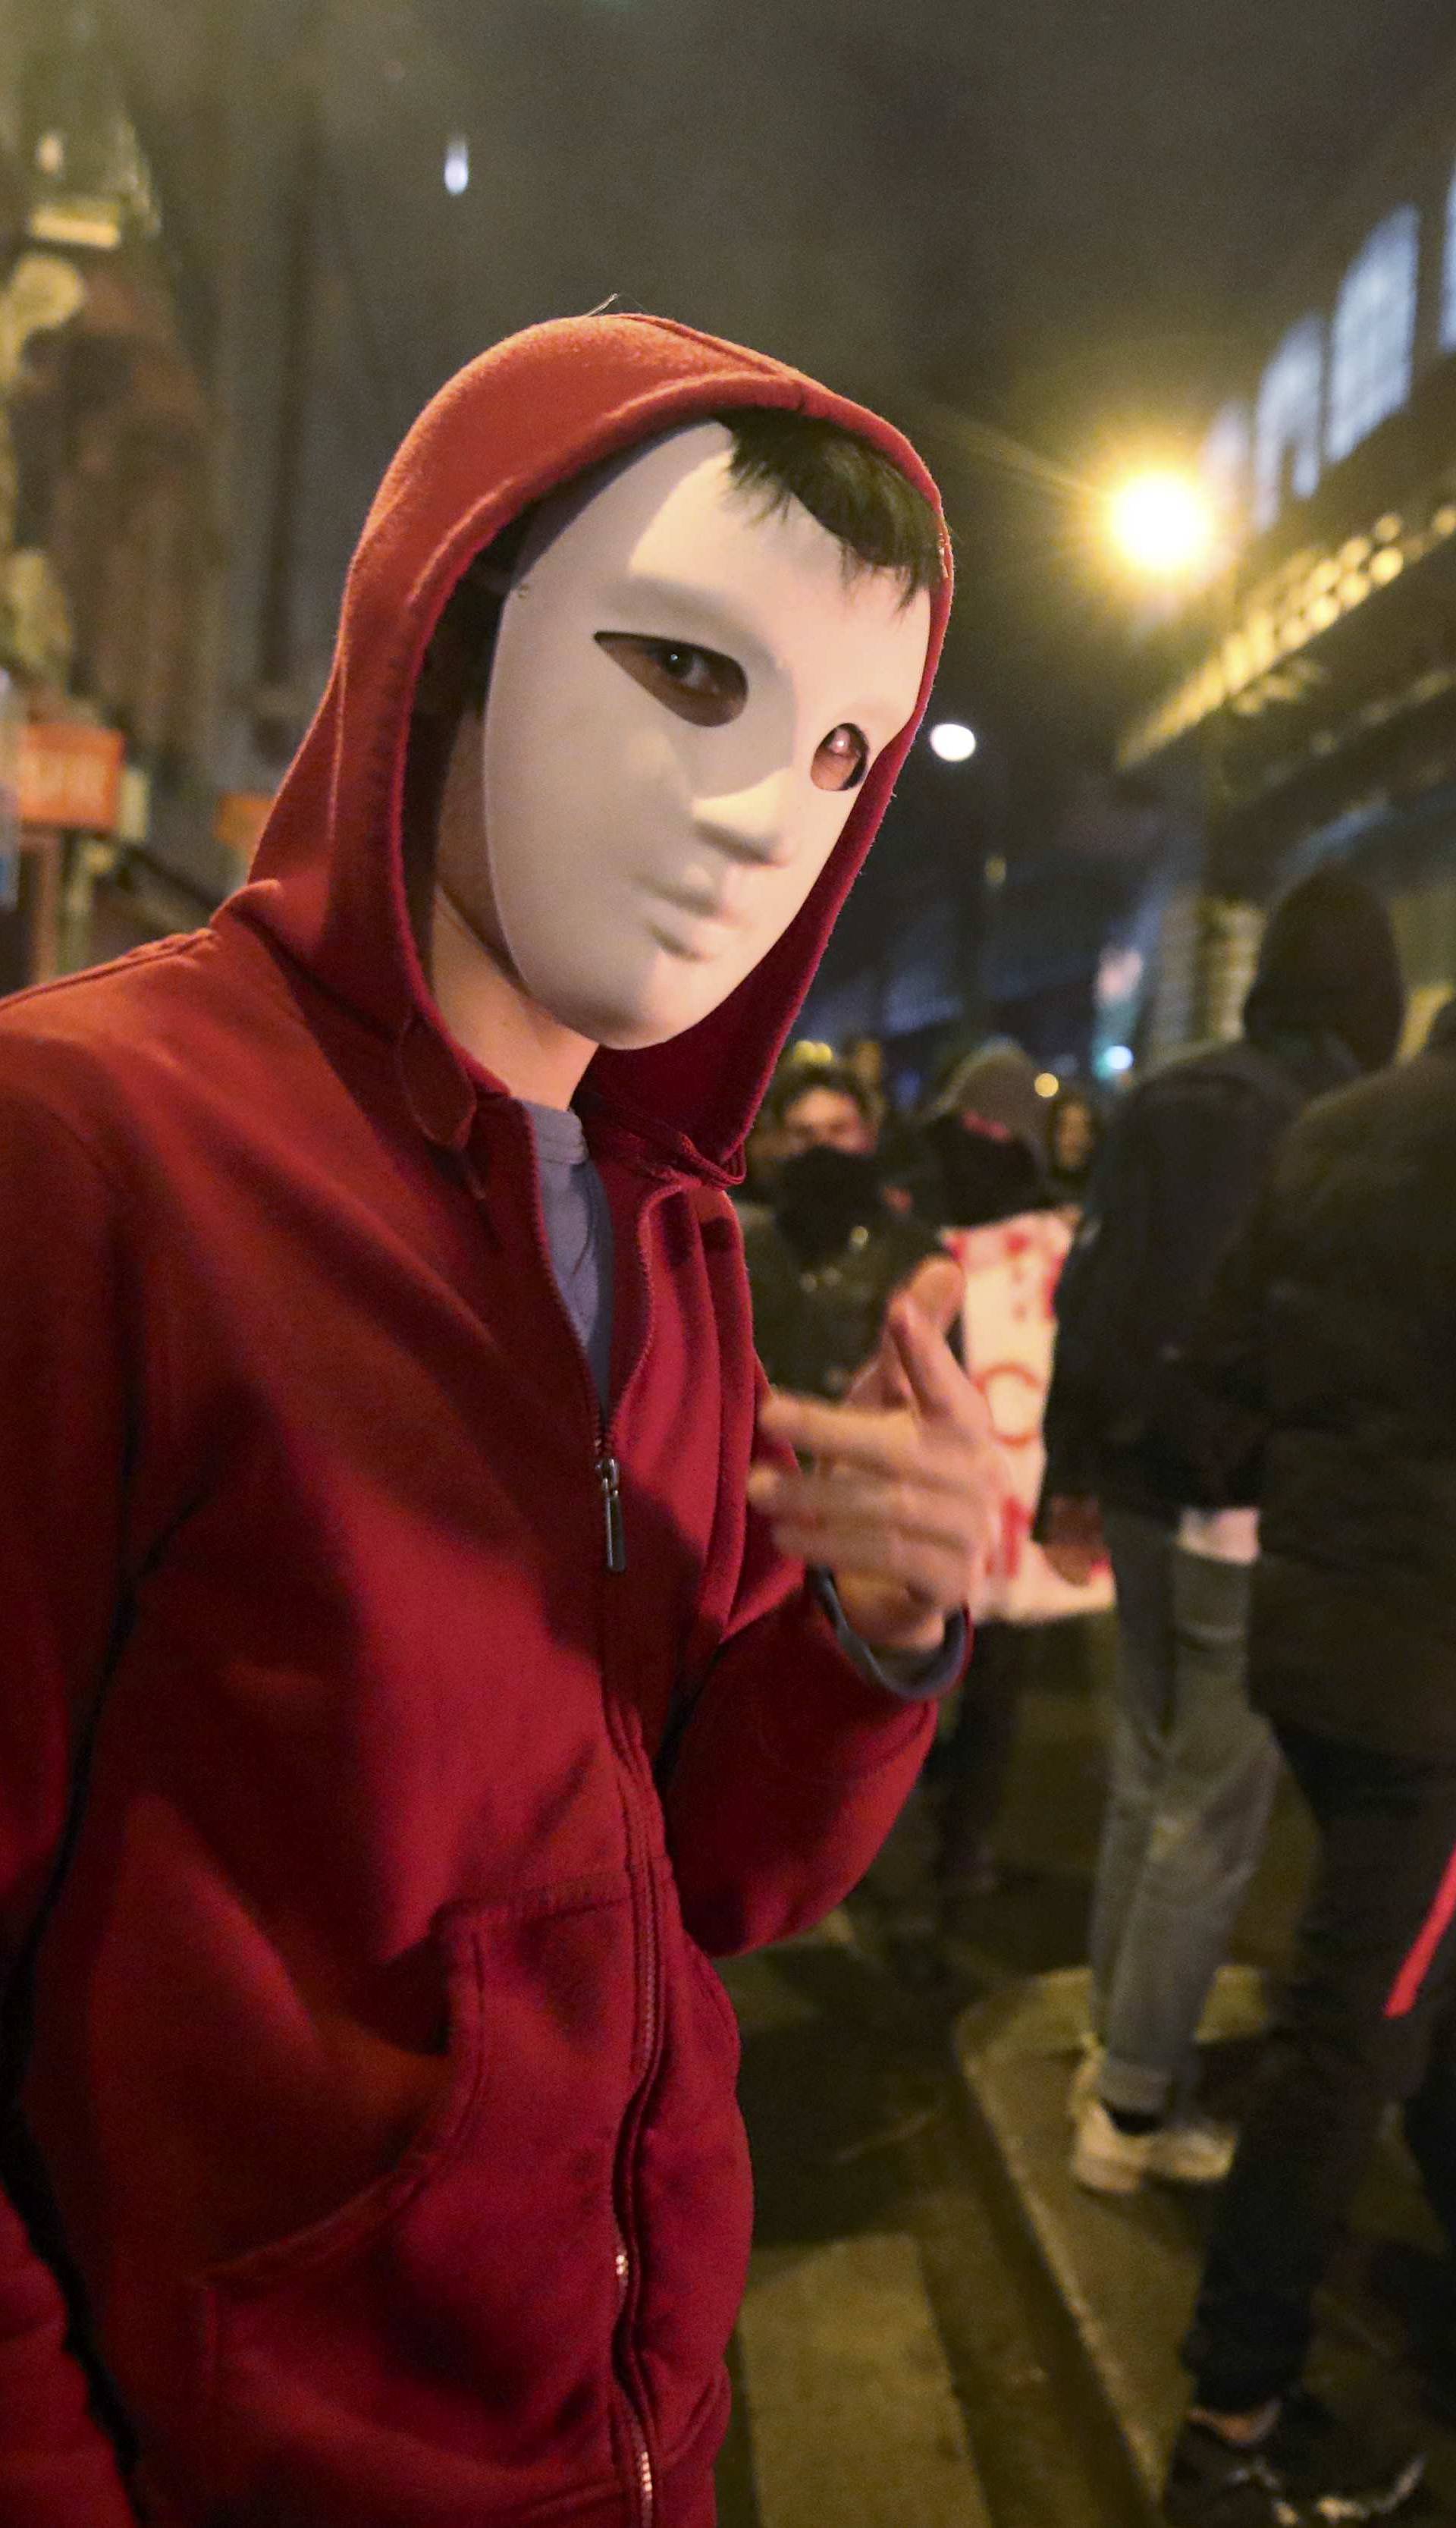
x=608, y=1474
x=643, y=2484
x=608, y=1470
x=614, y=1555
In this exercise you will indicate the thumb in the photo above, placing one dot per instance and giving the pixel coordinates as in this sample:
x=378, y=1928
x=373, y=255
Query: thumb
x=935, y=1290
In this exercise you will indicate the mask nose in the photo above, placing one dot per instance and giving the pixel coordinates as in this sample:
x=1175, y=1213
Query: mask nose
x=752, y=826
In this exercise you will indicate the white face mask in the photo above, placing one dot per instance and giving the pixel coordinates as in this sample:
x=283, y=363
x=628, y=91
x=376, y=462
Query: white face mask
x=683, y=700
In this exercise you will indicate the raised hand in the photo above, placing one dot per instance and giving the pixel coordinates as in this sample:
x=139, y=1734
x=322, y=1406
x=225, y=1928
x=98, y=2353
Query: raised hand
x=899, y=1498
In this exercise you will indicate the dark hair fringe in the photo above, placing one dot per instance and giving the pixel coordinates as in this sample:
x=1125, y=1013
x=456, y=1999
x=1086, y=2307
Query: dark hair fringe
x=872, y=509
x=801, y=1078
x=854, y=491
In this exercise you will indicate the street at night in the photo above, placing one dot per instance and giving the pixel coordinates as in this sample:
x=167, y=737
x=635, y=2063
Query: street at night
x=727, y=1258
x=939, y=2328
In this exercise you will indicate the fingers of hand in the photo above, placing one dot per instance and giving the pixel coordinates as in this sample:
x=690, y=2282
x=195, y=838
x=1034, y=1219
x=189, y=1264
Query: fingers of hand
x=889, y=1618
x=822, y=1502
x=881, y=1385
x=848, y=1434
x=941, y=1389
x=934, y=1290
x=886, y=1440
x=886, y=1524
x=934, y=1574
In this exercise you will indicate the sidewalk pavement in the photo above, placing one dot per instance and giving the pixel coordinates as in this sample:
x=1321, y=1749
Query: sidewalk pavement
x=1127, y=2269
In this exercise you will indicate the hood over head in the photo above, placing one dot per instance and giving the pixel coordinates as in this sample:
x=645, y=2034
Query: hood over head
x=1328, y=966
x=328, y=883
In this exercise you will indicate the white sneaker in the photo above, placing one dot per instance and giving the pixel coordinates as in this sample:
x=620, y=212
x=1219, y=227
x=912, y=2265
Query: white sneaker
x=1188, y=2152
x=1192, y=2150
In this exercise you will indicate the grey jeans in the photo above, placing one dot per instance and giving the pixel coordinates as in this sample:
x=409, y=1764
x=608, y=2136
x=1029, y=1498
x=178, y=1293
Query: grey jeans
x=1192, y=1773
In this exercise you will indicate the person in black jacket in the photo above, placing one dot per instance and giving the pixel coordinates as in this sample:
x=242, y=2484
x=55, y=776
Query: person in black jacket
x=825, y=1257
x=1192, y=1769
x=1328, y=1340
x=986, y=1137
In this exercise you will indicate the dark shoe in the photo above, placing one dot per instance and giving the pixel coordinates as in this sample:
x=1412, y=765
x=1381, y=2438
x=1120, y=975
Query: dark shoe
x=1309, y=2468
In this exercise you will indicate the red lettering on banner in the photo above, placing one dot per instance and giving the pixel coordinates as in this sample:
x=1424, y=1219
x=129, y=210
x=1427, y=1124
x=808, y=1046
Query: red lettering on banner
x=1008, y=1329
x=1016, y=1536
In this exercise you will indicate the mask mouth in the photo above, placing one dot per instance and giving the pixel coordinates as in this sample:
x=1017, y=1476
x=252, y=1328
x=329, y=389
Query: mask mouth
x=715, y=909
x=690, y=929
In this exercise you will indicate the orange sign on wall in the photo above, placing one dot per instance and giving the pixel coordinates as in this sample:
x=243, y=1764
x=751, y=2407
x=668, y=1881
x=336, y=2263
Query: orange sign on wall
x=69, y=775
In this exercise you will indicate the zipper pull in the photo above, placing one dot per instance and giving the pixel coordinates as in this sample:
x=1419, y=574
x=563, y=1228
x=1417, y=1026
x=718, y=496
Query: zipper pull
x=608, y=1475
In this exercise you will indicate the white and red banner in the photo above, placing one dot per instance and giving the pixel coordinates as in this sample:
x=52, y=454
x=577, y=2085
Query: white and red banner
x=1009, y=1327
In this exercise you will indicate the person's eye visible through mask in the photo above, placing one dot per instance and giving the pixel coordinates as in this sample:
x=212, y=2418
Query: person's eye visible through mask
x=842, y=759
x=709, y=689
x=699, y=685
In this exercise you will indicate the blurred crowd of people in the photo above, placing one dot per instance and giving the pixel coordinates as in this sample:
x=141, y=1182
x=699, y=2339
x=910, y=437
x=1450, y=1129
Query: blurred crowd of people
x=1212, y=1330
x=847, y=1194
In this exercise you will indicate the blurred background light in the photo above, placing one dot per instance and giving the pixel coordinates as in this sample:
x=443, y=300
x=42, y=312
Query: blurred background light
x=953, y=741
x=1047, y=1083
x=1160, y=522
x=1114, y=1060
x=457, y=164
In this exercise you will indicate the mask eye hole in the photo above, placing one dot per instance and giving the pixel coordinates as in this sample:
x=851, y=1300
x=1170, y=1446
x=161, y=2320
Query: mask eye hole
x=841, y=760
x=699, y=685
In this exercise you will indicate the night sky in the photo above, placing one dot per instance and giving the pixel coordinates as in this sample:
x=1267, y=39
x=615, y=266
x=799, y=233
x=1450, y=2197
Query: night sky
x=1048, y=218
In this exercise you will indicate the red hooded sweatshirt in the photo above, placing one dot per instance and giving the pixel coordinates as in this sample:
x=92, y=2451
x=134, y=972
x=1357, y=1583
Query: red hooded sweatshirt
x=378, y=2112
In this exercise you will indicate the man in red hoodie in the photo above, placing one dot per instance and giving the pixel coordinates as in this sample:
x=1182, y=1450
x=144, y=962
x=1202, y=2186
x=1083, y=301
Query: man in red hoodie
x=400, y=1699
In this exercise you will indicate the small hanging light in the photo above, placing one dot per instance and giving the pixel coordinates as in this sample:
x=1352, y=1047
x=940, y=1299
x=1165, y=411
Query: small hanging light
x=456, y=163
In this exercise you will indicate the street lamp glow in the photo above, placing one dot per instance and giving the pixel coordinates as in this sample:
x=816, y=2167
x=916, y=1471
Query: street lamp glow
x=457, y=164
x=952, y=741
x=1161, y=523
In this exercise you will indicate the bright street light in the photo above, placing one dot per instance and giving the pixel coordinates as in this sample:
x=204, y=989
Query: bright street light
x=1160, y=522
x=952, y=741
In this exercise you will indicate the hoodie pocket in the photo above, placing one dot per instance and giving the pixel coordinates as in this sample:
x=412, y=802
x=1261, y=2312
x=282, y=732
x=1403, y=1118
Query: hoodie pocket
x=694, y=2196
x=441, y=2347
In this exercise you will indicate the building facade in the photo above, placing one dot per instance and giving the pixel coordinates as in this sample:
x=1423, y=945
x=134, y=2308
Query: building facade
x=171, y=348
x=1302, y=703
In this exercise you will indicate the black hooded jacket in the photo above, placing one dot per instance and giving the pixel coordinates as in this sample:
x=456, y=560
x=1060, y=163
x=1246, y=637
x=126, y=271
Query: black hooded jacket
x=1330, y=1332
x=1177, y=1174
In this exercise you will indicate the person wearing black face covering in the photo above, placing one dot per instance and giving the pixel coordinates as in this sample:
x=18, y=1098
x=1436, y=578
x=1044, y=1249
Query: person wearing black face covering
x=824, y=1264
x=986, y=1133
x=1192, y=1768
